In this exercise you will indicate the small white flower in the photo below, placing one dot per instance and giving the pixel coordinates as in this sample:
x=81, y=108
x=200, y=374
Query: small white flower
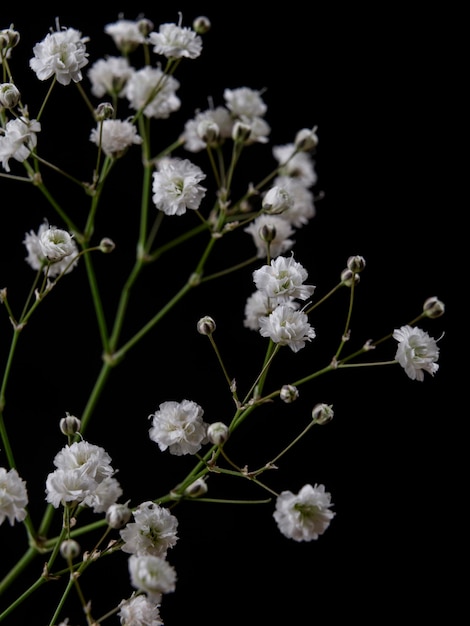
x=61, y=54
x=176, y=186
x=153, y=531
x=304, y=516
x=13, y=496
x=245, y=102
x=175, y=42
x=281, y=242
x=299, y=165
x=37, y=259
x=126, y=35
x=109, y=76
x=152, y=575
x=153, y=91
x=17, y=140
x=287, y=327
x=219, y=116
x=56, y=244
x=84, y=475
x=302, y=209
x=417, y=352
x=283, y=279
x=179, y=427
x=115, y=136
x=138, y=610
x=277, y=200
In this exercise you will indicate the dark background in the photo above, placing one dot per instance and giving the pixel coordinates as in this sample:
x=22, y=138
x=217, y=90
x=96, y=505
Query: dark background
x=381, y=87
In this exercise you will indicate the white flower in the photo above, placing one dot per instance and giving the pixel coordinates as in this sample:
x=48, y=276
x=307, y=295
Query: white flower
x=304, y=516
x=277, y=200
x=152, y=575
x=153, y=91
x=417, y=352
x=176, y=186
x=283, y=279
x=219, y=116
x=17, y=140
x=302, y=208
x=245, y=102
x=13, y=496
x=61, y=54
x=287, y=327
x=179, y=427
x=84, y=475
x=109, y=76
x=153, y=531
x=138, y=610
x=126, y=35
x=115, y=136
x=175, y=42
x=56, y=244
x=299, y=165
x=37, y=259
x=281, y=241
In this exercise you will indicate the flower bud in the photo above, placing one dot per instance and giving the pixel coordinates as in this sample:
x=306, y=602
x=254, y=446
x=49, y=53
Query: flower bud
x=218, y=433
x=9, y=38
x=118, y=515
x=206, y=325
x=356, y=263
x=104, y=111
x=322, y=413
x=241, y=132
x=268, y=233
x=145, y=26
x=209, y=132
x=289, y=393
x=70, y=425
x=277, y=200
x=347, y=277
x=9, y=95
x=196, y=489
x=201, y=25
x=433, y=307
x=107, y=245
x=69, y=549
x=306, y=139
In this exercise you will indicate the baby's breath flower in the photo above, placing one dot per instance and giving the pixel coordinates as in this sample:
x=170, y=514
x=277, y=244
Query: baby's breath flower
x=35, y=245
x=322, y=413
x=61, y=54
x=280, y=243
x=56, y=244
x=18, y=140
x=283, y=279
x=176, y=186
x=306, y=139
x=117, y=515
x=126, y=34
x=417, y=352
x=287, y=327
x=69, y=549
x=295, y=164
x=201, y=25
x=179, y=427
x=277, y=200
x=115, y=137
x=138, y=610
x=206, y=325
x=218, y=433
x=13, y=496
x=109, y=76
x=176, y=42
x=196, y=489
x=153, y=91
x=153, y=531
x=70, y=425
x=304, y=516
x=152, y=575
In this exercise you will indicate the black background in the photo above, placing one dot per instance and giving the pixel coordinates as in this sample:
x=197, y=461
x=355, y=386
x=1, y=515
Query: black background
x=381, y=89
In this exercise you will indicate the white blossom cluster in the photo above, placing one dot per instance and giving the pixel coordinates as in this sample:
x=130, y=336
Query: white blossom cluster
x=278, y=309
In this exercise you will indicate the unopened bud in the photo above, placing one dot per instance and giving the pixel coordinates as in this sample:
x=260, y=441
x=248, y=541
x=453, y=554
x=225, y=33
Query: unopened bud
x=196, y=489
x=347, y=277
x=433, y=307
x=356, y=263
x=268, y=233
x=277, y=200
x=322, y=413
x=9, y=38
x=104, y=111
x=70, y=425
x=289, y=393
x=306, y=139
x=118, y=515
x=218, y=433
x=145, y=26
x=107, y=245
x=201, y=25
x=241, y=132
x=209, y=132
x=9, y=95
x=69, y=549
x=206, y=325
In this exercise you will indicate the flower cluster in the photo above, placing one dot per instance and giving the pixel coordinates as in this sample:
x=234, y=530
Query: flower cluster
x=187, y=185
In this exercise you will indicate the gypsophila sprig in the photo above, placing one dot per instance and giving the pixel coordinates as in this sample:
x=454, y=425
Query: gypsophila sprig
x=141, y=195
